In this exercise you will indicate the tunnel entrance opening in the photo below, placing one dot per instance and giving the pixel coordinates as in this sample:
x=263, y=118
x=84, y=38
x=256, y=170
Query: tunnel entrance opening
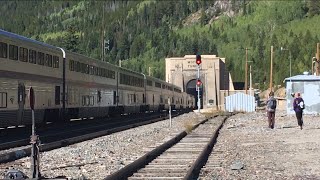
x=191, y=89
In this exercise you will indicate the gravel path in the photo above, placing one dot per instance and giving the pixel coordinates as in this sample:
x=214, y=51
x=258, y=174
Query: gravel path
x=247, y=149
x=97, y=158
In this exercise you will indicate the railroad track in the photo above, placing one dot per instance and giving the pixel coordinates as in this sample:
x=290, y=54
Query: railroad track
x=182, y=157
x=54, y=141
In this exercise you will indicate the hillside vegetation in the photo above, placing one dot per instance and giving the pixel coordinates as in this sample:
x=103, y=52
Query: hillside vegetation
x=145, y=32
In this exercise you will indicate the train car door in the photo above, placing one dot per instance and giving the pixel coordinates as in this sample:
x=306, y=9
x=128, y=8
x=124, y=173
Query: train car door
x=21, y=101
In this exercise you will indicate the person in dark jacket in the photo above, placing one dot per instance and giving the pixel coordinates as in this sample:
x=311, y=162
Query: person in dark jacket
x=298, y=106
x=271, y=109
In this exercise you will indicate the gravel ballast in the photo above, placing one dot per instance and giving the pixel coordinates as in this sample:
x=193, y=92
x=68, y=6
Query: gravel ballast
x=97, y=158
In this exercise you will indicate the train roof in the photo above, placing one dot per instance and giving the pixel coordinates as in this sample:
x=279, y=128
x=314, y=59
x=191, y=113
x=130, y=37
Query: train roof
x=22, y=38
x=16, y=36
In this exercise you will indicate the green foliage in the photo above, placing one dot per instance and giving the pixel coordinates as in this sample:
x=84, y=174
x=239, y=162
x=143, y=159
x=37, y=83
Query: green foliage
x=144, y=33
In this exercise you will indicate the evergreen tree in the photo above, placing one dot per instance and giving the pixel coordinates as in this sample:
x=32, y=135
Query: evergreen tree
x=314, y=7
x=71, y=39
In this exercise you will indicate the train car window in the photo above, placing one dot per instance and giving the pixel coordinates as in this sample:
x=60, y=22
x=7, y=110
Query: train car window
x=32, y=56
x=113, y=74
x=13, y=52
x=23, y=54
x=99, y=72
x=149, y=83
x=40, y=59
x=71, y=65
x=91, y=72
x=121, y=78
x=158, y=85
x=55, y=62
x=84, y=101
x=77, y=66
x=134, y=98
x=3, y=50
x=87, y=69
x=99, y=96
x=83, y=68
x=115, y=98
x=48, y=61
x=95, y=69
x=143, y=99
x=3, y=100
x=91, y=99
x=104, y=74
x=153, y=98
x=161, y=99
x=57, y=95
x=107, y=73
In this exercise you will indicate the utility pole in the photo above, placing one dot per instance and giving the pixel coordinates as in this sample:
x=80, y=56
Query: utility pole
x=102, y=34
x=250, y=82
x=271, y=65
x=317, y=56
x=246, y=74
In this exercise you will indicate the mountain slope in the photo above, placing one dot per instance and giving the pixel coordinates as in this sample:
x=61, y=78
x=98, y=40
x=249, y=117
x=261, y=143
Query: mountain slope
x=145, y=32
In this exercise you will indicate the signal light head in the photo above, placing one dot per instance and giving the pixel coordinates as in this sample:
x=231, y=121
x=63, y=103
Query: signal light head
x=198, y=59
x=199, y=82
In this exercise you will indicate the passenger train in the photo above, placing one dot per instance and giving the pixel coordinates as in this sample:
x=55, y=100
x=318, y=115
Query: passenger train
x=68, y=85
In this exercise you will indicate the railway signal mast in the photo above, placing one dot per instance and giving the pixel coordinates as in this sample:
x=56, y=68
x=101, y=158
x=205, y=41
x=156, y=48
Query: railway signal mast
x=34, y=140
x=198, y=61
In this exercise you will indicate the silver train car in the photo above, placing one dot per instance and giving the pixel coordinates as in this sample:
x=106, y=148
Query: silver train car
x=68, y=85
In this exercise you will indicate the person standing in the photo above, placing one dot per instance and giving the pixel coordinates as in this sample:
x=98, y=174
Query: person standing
x=271, y=109
x=298, y=106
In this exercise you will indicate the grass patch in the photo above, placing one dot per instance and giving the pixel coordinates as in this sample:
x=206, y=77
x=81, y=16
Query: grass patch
x=188, y=125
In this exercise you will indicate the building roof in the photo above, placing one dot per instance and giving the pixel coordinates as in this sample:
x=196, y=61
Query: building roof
x=303, y=77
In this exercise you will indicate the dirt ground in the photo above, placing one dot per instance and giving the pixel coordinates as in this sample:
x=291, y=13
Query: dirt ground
x=248, y=149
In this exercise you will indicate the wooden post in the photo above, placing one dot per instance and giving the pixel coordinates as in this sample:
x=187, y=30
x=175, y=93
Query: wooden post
x=271, y=65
